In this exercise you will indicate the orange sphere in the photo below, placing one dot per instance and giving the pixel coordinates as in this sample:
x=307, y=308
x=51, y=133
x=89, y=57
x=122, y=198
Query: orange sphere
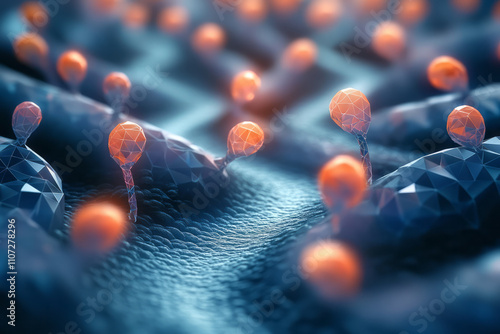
x=447, y=73
x=126, y=143
x=332, y=267
x=245, y=139
x=244, y=86
x=72, y=67
x=323, y=13
x=342, y=182
x=300, y=55
x=466, y=126
x=350, y=110
x=116, y=84
x=136, y=15
x=466, y=6
x=252, y=10
x=285, y=6
x=412, y=11
x=173, y=19
x=208, y=38
x=31, y=49
x=98, y=227
x=389, y=40
x=35, y=14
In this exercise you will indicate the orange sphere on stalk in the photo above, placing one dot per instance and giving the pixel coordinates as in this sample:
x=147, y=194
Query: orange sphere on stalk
x=466, y=126
x=116, y=84
x=252, y=10
x=342, y=182
x=31, y=49
x=208, y=38
x=447, y=73
x=244, y=86
x=323, y=13
x=98, y=227
x=35, y=14
x=245, y=139
x=332, y=267
x=173, y=19
x=136, y=15
x=300, y=55
x=389, y=40
x=126, y=143
x=412, y=11
x=72, y=67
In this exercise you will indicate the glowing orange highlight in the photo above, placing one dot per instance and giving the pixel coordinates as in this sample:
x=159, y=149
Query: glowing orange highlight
x=323, y=13
x=252, y=10
x=389, y=40
x=300, y=55
x=208, y=38
x=173, y=19
x=412, y=11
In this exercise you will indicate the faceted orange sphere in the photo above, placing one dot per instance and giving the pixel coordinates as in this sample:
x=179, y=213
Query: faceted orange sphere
x=208, y=38
x=173, y=19
x=126, y=143
x=285, y=6
x=332, y=267
x=300, y=55
x=31, y=49
x=98, y=227
x=412, y=11
x=351, y=111
x=252, y=10
x=447, y=73
x=136, y=15
x=245, y=139
x=35, y=14
x=72, y=66
x=342, y=182
x=244, y=86
x=389, y=40
x=466, y=6
x=466, y=126
x=323, y=13
x=116, y=84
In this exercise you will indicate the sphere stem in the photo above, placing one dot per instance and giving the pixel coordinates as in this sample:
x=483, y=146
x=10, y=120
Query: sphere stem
x=365, y=157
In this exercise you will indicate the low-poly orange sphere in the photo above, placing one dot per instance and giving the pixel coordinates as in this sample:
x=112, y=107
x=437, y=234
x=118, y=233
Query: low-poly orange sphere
x=252, y=10
x=208, y=38
x=116, y=84
x=244, y=86
x=35, y=14
x=31, y=49
x=245, y=139
x=126, y=143
x=300, y=55
x=342, y=182
x=412, y=11
x=285, y=6
x=72, y=66
x=350, y=110
x=98, y=227
x=466, y=6
x=136, y=15
x=323, y=13
x=447, y=73
x=389, y=40
x=173, y=19
x=466, y=126
x=333, y=268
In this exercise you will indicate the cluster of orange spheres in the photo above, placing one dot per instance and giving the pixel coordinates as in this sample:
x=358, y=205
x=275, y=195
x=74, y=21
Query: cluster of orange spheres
x=98, y=227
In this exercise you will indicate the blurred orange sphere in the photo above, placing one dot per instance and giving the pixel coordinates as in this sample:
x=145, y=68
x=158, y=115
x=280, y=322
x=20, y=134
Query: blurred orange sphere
x=35, y=14
x=252, y=10
x=105, y=6
x=98, y=227
x=447, y=73
x=31, y=49
x=300, y=55
x=323, y=13
x=117, y=84
x=412, y=11
x=173, y=19
x=285, y=6
x=136, y=15
x=496, y=11
x=72, y=67
x=389, y=40
x=466, y=6
x=367, y=6
x=342, y=182
x=332, y=267
x=208, y=38
x=244, y=86
x=245, y=139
